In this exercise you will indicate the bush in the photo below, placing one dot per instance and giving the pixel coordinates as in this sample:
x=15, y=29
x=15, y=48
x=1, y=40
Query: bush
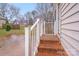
x=7, y=26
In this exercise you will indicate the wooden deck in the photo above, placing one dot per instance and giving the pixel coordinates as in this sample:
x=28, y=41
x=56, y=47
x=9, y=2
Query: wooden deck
x=50, y=46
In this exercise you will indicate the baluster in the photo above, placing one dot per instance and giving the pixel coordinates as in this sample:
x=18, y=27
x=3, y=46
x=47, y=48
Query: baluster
x=27, y=37
x=44, y=27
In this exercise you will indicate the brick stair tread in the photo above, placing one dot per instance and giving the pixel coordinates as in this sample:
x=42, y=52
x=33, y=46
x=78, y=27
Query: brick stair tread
x=48, y=37
x=51, y=54
x=64, y=53
x=47, y=54
x=49, y=41
x=52, y=51
x=51, y=46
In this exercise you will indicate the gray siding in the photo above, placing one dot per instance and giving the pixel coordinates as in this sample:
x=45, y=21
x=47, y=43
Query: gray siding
x=69, y=24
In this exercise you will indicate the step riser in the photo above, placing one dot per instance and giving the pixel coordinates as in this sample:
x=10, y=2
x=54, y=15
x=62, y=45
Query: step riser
x=47, y=51
x=46, y=54
x=48, y=42
x=52, y=50
x=53, y=43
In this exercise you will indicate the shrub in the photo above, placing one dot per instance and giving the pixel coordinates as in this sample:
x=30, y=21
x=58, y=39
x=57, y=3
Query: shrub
x=7, y=26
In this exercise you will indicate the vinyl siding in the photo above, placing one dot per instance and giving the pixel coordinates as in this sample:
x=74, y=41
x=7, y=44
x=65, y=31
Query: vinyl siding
x=69, y=24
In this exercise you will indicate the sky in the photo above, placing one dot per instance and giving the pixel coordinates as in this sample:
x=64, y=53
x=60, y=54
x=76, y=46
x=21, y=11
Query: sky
x=25, y=7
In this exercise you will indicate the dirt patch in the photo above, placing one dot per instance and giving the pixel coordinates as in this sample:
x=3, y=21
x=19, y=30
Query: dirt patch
x=13, y=45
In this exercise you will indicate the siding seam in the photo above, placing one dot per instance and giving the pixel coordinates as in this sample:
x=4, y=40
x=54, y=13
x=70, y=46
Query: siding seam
x=69, y=10
x=65, y=8
x=69, y=29
x=70, y=44
x=65, y=46
x=70, y=37
x=62, y=6
x=66, y=42
x=69, y=23
x=70, y=16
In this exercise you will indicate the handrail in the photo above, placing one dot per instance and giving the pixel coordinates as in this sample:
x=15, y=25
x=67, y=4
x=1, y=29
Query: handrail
x=35, y=24
x=35, y=32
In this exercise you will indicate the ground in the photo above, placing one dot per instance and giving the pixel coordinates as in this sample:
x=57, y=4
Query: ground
x=12, y=46
x=12, y=42
x=5, y=33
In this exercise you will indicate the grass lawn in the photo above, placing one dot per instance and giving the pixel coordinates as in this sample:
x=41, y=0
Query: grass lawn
x=3, y=32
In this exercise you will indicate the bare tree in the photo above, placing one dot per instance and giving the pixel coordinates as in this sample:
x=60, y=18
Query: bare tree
x=13, y=12
x=34, y=15
x=29, y=17
x=3, y=9
x=8, y=11
x=45, y=11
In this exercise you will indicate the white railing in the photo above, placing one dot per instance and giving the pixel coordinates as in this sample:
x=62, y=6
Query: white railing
x=32, y=37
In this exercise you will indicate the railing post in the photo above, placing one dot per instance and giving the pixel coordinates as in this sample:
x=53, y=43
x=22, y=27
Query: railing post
x=41, y=27
x=37, y=36
x=44, y=27
x=27, y=37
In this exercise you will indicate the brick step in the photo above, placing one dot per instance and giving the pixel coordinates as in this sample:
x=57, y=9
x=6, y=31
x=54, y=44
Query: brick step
x=62, y=53
x=47, y=54
x=52, y=51
x=47, y=50
x=49, y=38
x=49, y=41
x=53, y=46
x=51, y=54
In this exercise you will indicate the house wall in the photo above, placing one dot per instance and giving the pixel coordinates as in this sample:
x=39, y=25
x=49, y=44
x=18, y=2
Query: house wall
x=69, y=27
x=1, y=22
